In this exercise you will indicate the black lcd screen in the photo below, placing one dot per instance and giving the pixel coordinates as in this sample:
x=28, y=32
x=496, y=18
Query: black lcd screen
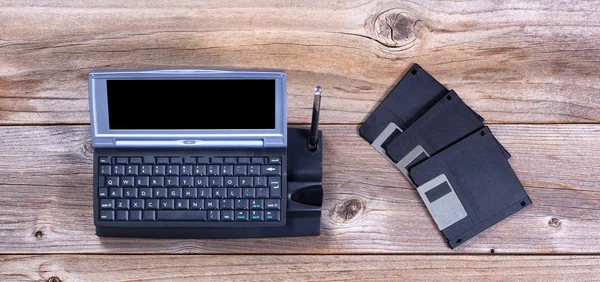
x=191, y=104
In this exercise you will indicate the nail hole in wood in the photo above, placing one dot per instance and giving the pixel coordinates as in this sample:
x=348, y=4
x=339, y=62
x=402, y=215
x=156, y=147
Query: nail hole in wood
x=492, y=251
x=53, y=279
x=554, y=222
x=39, y=234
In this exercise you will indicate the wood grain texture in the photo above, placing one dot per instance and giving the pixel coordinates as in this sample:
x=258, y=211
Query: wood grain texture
x=45, y=185
x=299, y=268
x=512, y=61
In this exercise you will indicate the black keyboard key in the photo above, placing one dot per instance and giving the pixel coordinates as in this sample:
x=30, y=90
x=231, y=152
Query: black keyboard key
x=213, y=170
x=204, y=193
x=257, y=204
x=135, y=215
x=152, y=204
x=241, y=216
x=214, y=215
x=197, y=204
x=240, y=170
x=105, y=170
x=217, y=160
x=122, y=215
x=216, y=181
x=211, y=204
x=145, y=193
x=137, y=204
x=249, y=193
x=189, y=193
x=176, y=160
x=162, y=160
x=186, y=181
x=167, y=204
x=244, y=161
x=230, y=160
x=258, y=160
x=127, y=181
x=182, y=215
x=199, y=170
x=262, y=193
x=149, y=160
x=204, y=161
x=219, y=193
x=149, y=216
x=172, y=181
x=273, y=204
x=260, y=182
x=160, y=193
x=145, y=170
x=106, y=204
x=270, y=170
x=182, y=204
x=272, y=216
x=189, y=160
x=231, y=181
x=227, y=216
x=103, y=192
x=226, y=170
x=112, y=181
x=131, y=193
x=122, y=160
x=172, y=170
x=257, y=216
x=131, y=170
x=175, y=193
x=135, y=160
x=246, y=182
x=185, y=170
x=241, y=204
x=227, y=204
x=142, y=181
x=115, y=193
x=103, y=160
x=275, y=160
x=201, y=181
x=158, y=170
x=253, y=170
x=107, y=215
x=275, y=187
x=157, y=181
x=234, y=193
x=122, y=204
x=118, y=170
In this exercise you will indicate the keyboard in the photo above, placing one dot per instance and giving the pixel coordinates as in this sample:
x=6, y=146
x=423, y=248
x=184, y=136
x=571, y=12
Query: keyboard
x=212, y=191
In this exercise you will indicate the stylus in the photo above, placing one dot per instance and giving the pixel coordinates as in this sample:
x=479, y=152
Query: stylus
x=314, y=127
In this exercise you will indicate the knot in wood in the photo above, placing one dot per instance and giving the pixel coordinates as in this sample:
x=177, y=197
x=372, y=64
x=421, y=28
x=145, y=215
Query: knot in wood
x=347, y=210
x=554, y=222
x=53, y=279
x=39, y=234
x=395, y=28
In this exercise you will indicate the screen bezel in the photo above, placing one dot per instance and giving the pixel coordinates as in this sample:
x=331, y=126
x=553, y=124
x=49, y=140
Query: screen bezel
x=100, y=119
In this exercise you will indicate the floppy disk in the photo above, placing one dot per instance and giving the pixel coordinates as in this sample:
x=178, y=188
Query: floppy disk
x=447, y=122
x=416, y=92
x=469, y=186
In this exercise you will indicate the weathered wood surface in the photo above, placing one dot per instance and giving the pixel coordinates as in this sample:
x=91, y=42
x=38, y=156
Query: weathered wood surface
x=45, y=185
x=299, y=268
x=512, y=61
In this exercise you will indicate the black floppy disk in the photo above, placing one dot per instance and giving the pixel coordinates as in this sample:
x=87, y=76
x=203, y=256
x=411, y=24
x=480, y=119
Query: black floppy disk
x=444, y=124
x=469, y=186
x=416, y=92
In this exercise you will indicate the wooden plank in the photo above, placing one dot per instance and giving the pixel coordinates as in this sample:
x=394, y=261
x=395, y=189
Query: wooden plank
x=45, y=186
x=517, y=62
x=299, y=268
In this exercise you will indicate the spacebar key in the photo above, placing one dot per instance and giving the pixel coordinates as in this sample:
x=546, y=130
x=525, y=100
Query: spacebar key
x=181, y=215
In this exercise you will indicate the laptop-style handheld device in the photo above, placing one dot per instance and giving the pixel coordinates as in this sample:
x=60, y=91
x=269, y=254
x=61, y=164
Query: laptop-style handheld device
x=189, y=148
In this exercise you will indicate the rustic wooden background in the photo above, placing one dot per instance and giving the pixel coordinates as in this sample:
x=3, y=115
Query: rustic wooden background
x=530, y=68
